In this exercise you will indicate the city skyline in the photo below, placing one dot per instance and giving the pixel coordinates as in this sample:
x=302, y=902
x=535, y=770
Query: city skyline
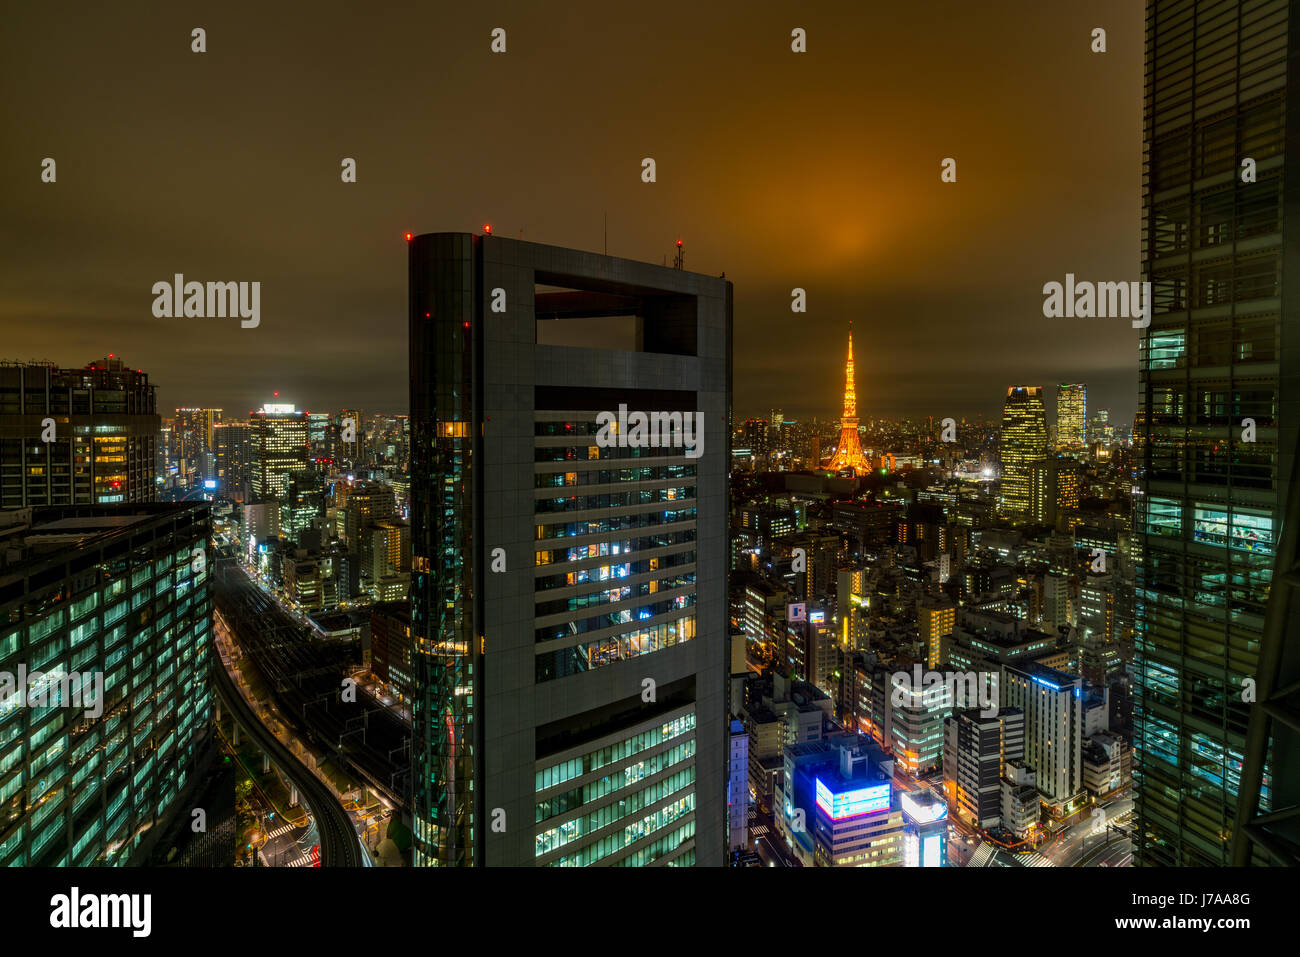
x=610, y=437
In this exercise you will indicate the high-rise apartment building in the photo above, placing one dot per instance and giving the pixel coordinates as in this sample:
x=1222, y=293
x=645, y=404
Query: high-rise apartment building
x=77, y=436
x=1216, y=353
x=105, y=619
x=1071, y=415
x=1053, y=709
x=976, y=749
x=570, y=446
x=277, y=447
x=1024, y=443
x=935, y=619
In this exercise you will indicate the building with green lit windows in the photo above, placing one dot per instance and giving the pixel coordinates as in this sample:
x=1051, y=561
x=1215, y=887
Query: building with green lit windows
x=106, y=612
x=569, y=581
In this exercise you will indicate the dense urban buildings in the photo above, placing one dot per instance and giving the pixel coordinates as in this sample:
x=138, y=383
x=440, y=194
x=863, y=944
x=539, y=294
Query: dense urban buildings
x=105, y=705
x=569, y=552
x=77, y=436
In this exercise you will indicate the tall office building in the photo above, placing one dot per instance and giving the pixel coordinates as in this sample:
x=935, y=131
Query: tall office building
x=232, y=446
x=1216, y=352
x=1024, y=442
x=277, y=447
x=569, y=589
x=194, y=445
x=103, y=447
x=1071, y=415
x=105, y=625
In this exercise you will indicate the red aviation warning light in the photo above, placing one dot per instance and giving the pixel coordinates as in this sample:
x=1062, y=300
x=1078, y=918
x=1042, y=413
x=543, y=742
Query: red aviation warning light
x=487, y=229
x=408, y=237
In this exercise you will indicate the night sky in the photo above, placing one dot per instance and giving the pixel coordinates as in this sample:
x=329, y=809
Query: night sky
x=819, y=170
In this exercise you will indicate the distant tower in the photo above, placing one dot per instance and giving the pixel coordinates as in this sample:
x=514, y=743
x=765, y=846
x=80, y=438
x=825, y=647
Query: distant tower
x=848, y=451
x=1071, y=415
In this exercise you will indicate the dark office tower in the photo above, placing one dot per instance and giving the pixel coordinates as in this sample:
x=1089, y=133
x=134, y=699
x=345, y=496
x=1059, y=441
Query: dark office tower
x=277, y=447
x=1024, y=443
x=569, y=569
x=104, y=440
x=232, y=442
x=105, y=632
x=1220, y=259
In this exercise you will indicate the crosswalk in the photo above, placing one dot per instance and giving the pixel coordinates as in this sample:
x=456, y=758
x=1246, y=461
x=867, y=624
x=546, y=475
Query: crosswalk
x=1036, y=859
x=283, y=829
x=981, y=856
x=303, y=861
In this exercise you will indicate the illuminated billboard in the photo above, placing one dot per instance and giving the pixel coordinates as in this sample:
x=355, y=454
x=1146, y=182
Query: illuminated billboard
x=852, y=803
x=923, y=809
x=931, y=850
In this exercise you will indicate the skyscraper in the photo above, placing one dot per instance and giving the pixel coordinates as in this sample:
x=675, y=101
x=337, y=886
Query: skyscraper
x=569, y=556
x=77, y=436
x=195, y=445
x=848, y=450
x=1024, y=443
x=1216, y=353
x=1071, y=415
x=277, y=447
x=232, y=443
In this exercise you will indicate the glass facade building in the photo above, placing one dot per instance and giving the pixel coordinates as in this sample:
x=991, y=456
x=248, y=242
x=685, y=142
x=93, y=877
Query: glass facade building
x=117, y=598
x=568, y=594
x=1215, y=355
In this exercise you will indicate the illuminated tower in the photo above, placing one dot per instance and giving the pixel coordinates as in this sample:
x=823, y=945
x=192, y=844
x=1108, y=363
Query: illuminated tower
x=848, y=451
x=1024, y=443
x=1071, y=415
x=278, y=436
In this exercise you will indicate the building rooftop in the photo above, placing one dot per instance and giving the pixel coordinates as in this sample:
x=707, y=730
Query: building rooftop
x=31, y=536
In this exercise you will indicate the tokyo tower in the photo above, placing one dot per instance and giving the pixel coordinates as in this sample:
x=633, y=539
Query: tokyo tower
x=848, y=452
